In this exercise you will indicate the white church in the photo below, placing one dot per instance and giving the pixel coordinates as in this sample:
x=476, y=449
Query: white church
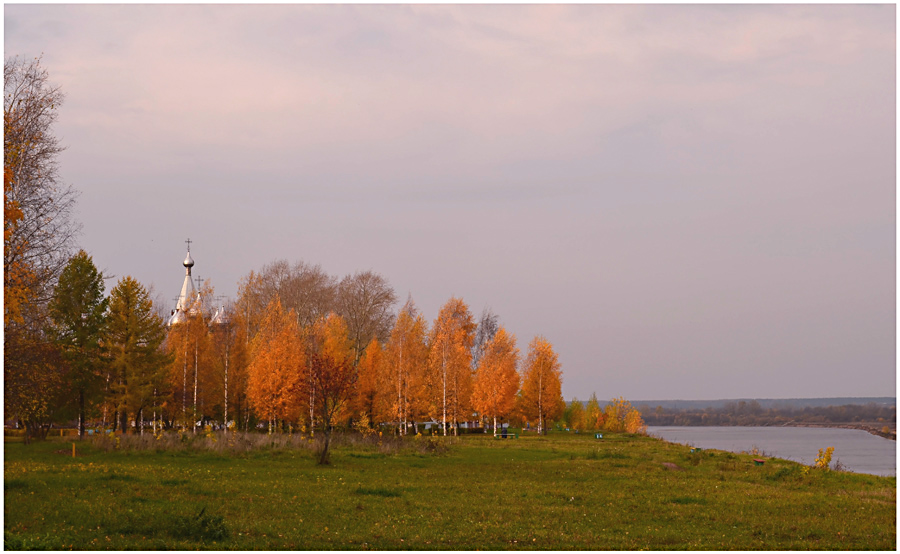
x=188, y=304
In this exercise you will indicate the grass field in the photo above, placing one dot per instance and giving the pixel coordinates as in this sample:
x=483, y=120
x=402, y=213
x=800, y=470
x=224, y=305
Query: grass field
x=560, y=492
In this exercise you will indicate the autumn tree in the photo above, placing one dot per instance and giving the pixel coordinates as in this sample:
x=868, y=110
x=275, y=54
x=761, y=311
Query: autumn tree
x=449, y=378
x=401, y=389
x=593, y=413
x=16, y=275
x=365, y=300
x=634, y=423
x=35, y=386
x=40, y=231
x=238, y=371
x=541, y=395
x=229, y=352
x=134, y=336
x=78, y=315
x=497, y=377
x=304, y=288
x=37, y=235
x=574, y=416
x=622, y=416
x=329, y=354
x=487, y=327
x=192, y=370
x=277, y=366
x=366, y=399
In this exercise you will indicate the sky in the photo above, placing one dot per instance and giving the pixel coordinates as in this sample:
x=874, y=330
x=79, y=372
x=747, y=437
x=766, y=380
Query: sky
x=688, y=202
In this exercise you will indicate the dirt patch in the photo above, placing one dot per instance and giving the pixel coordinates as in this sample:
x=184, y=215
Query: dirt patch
x=673, y=467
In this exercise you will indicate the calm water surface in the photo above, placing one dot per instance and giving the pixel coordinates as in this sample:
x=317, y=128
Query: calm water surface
x=857, y=450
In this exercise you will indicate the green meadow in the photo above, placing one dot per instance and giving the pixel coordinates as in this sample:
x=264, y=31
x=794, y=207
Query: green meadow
x=559, y=492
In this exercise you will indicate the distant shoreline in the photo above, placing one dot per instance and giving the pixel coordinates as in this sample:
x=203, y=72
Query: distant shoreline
x=892, y=435
x=872, y=429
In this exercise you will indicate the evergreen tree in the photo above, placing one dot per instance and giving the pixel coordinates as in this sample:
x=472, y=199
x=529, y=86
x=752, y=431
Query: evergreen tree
x=134, y=336
x=78, y=314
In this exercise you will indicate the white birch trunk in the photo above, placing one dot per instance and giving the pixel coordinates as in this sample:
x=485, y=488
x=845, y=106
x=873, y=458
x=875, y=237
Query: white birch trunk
x=194, y=421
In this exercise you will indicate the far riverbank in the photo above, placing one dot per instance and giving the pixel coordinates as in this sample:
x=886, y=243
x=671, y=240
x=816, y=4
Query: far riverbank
x=854, y=450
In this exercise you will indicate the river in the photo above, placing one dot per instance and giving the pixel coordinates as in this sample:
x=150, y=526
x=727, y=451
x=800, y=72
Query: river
x=857, y=450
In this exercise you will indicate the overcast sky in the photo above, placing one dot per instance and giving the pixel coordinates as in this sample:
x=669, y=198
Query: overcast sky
x=689, y=202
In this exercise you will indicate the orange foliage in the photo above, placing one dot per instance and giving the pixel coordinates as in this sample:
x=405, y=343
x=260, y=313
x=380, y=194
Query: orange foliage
x=330, y=357
x=277, y=366
x=541, y=399
x=370, y=368
x=496, y=380
x=622, y=416
x=449, y=377
x=17, y=274
x=401, y=391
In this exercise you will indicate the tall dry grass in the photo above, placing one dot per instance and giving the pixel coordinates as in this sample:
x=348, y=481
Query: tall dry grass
x=237, y=443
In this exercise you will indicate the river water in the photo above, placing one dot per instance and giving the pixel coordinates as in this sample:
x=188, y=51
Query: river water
x=857, y=450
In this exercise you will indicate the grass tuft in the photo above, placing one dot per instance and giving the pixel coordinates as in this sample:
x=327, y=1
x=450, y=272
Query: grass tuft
x=202, y=527
x=386, y=493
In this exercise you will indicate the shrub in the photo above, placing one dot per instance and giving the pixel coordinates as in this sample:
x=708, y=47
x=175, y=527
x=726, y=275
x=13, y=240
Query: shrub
x=823, y=460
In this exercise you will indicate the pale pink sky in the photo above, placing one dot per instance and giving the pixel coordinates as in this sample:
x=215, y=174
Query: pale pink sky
x=688, y=201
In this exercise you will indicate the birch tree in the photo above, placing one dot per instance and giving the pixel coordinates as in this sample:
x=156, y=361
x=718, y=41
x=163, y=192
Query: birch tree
x=405, y=360
x=366, y=398
x=497, y=377
x=230, y=357
x=38, y=238
x=329, y=354
x=277, y=366
x=541, y=398
x=449, y=377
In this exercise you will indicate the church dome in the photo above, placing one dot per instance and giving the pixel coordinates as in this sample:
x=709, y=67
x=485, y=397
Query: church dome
x=189, y=261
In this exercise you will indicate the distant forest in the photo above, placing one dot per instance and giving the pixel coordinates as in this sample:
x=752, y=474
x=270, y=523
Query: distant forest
x=880, y=418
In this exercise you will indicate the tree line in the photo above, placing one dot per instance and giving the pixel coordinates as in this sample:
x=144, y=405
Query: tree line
x=618, y=415
x=751, y=413
x=300, y=349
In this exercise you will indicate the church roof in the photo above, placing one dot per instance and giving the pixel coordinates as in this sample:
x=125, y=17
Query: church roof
x=187, y=299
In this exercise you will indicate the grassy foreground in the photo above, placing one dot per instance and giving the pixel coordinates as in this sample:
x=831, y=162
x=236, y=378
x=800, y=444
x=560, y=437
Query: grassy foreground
x=559, y=492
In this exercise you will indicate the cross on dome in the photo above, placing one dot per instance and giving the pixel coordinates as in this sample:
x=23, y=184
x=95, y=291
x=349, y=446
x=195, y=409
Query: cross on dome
x=185, y=303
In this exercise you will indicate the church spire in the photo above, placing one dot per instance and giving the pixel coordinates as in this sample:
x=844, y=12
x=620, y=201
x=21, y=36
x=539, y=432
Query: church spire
x=188, y=293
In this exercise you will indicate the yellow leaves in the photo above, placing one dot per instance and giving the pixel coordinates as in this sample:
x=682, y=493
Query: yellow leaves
x=496, y=380
x=449, y=377
x=541, y=398
x=277, y=365
x=823, y=460
x=622, y=416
